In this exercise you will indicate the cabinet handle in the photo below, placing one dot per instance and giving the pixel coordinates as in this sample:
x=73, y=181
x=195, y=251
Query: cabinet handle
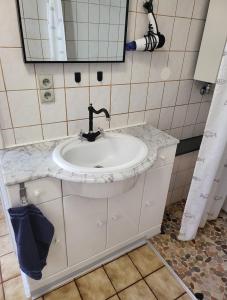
x=101, y=223
x=115, y=217
x=162, y=157
x=56, y=241
x=148, y=203
x=37, y=193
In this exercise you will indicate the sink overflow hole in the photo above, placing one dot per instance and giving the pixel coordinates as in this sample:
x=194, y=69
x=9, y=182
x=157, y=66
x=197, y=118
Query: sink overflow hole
x=98, y=167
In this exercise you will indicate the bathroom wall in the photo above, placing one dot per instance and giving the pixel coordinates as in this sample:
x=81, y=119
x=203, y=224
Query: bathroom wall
x=180, y=182
x=156, y=88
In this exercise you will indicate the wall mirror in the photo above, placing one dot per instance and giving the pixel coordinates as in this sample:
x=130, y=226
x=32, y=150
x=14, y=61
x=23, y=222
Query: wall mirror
x=73, y=30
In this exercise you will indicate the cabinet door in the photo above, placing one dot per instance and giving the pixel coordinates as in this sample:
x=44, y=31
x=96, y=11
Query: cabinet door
x=124, y=214
x=154, y=197
x=57, y=259
x=85, y=221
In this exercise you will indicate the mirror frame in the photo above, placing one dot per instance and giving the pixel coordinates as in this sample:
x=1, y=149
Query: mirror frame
x=71, y=61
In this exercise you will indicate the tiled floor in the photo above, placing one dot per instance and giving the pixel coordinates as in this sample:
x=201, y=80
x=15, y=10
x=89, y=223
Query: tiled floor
x=138, y=275
x=201, y=263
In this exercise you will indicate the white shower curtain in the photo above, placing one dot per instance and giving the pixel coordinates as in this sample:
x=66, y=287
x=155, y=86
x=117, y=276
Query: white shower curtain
x=208, y=189
x=56, y=30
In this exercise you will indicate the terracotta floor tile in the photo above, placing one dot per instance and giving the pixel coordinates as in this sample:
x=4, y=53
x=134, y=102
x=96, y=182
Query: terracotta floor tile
x=114, y=298
x=145, y=260
x=14, y=290
x=1, y=212
x=138, y=291
x=95, y=286
x=66, y=292
x=5, y=245
x=9, y=266
x=3, y=227
x=1, y=293
x=122, y=273
x=164, y=285
x=185, y=297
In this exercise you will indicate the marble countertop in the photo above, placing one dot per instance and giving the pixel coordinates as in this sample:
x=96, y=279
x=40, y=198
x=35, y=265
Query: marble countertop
x=25, y=163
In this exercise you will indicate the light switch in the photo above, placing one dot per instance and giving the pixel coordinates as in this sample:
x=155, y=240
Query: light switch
x=45, y=82
x=47, y=96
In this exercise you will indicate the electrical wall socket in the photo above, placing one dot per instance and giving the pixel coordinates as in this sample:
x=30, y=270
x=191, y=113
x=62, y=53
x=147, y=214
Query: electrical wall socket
x=45, y=82
x=47, y=96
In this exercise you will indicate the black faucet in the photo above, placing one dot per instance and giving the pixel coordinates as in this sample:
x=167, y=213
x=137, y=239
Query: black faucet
x=91, y=135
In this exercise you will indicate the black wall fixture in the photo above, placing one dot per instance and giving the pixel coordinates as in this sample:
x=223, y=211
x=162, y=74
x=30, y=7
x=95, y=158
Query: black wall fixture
x=77, y=77
x=100, y=76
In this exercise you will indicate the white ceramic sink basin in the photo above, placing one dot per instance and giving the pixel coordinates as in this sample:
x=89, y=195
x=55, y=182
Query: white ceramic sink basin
x=110, y=153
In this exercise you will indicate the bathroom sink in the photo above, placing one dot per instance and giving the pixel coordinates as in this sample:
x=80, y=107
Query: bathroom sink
x=109, y=153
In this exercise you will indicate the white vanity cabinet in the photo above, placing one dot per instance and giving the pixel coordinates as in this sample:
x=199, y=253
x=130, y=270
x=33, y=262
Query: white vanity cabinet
x=124, y=215
x=57, y=259
x=85, y=224
x=154, y=197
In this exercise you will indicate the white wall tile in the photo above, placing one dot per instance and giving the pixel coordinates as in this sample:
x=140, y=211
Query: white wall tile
x=152, y=117
x=56, y=70
x=158, y=66
x=179, y=116
x=189, y=64
x=166, y=116
x=121, y=73
x=52, y=112
x=54, y=130
x=141, y=25
x=101, y=122
x=120, y=99
x=118, y=121
x=5, y=119
x=17, y=75
x=24, y=108
x=176, y=132
x=9, y=29
x=138, y=97
x=136, y=118
x=28, y=134
x=141, y=66
x=167, y=7
x=184, y=92
x=132, y=5
x=8, y=137
x=195, y=35
x=131, y=26
x=165, y=26
x=200, y=9
x=2, y=86
x=74, y=127
x=180, y=34
x=195, y=94
x=192, y=113
x=154, y=95
x=77, y=101
x=185, y=8
x=100, y=97
x=105, y=68
x=199, y=129
x=187, y=132
x=175, y=65
x=70, y=69
x=170, y=93
x=203, y=112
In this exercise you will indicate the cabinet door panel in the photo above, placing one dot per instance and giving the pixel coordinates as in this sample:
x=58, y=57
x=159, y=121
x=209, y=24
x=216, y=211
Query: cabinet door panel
x=85, y=221
x=124, y=214
x=154, y=196
x=57, y=259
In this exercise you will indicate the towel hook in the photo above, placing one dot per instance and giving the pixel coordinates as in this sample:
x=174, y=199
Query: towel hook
x=23, y=194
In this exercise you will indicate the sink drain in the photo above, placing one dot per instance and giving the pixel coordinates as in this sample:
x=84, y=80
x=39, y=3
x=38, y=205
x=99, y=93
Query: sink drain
x=98, y=167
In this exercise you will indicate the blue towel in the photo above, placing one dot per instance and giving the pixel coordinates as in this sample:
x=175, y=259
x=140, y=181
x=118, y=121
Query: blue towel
x=33, y=235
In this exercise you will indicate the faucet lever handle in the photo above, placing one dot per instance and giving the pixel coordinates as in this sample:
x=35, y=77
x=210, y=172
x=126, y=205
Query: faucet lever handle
x=101, y=131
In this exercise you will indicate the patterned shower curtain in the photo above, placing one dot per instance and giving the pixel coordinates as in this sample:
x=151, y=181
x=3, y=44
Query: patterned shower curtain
x=208, y=189
x=56, y=30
